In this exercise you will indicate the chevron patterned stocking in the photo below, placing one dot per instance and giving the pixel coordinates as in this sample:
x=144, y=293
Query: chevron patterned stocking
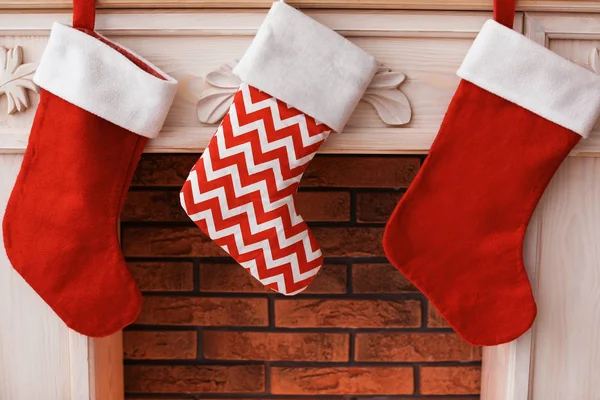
x=241, y=192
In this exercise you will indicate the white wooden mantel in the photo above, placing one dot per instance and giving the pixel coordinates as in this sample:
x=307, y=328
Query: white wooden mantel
x=41, y=359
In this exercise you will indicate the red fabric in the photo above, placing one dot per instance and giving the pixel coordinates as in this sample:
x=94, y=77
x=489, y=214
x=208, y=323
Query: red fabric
x=242, y=191
x=61, y=223
x=457, y=233
x=84, y=14
x=504, y=12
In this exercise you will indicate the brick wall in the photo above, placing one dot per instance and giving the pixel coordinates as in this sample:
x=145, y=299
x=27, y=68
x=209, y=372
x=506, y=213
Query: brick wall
x=361, y=331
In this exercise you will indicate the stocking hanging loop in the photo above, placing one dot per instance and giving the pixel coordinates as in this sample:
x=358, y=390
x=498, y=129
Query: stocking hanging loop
x=504, y=12
x=84, y=14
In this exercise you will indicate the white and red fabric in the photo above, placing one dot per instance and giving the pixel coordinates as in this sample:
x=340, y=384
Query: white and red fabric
x=458, y=232
x=99, y=106
x=301, y=80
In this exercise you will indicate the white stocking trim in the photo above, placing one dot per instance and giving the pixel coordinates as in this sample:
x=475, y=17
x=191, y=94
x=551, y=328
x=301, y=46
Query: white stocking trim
x=521, y=71
x=307, y=65
x=97, y=78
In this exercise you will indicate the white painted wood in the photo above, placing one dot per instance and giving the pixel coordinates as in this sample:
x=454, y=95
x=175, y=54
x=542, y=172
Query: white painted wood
x=566, y=360
x=35, y=362
x=79, y=366
x=190, y=45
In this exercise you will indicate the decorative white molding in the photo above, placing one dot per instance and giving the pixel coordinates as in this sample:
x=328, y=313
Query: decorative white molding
x=215, y=100
x=16, y=78
x=383, y=94
x=595, y=60
x=593, y=63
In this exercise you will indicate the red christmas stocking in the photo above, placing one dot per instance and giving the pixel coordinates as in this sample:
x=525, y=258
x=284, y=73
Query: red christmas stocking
x=300, y=79
x=458, y=232
x=99, y=105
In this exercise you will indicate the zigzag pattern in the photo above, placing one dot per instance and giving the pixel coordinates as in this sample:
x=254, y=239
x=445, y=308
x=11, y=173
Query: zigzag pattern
x=241, y=192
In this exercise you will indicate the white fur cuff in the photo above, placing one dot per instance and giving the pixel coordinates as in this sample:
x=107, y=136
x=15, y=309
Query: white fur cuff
x=97, y=78
x=307, y=65
x=521, y=71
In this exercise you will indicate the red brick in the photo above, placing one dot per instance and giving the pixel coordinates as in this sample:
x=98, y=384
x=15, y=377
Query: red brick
x=435, y=319
x=228, y=278
x=361, y=171
x=414, y=347
x=191, y=242
x=194, y=379
x=153, y=206
x=332, y=171
x=306, y=313
x=324, y=206
x=213, y=311
x=379, y=278
x=142, y=345
x=350, y=242
x=450, y=380
x=168, y=242
x=376, y=207
x=330, y=279
x=271, y=346
x=163, y=276
x=342, y=380
x=165, y=206
x=234, y=278
x=163, y=169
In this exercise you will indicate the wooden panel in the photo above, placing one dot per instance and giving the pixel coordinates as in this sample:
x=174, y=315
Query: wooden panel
x=106, y=368
x=567, y=336
x=469, y=5
x=35, y=357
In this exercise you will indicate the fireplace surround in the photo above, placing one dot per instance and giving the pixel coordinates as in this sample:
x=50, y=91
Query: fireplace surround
x=420, y=45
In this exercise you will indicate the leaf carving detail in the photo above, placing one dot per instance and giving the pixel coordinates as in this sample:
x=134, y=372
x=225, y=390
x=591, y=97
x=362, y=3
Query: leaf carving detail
x=215, y=100
x=383, y=93
x=16, y=79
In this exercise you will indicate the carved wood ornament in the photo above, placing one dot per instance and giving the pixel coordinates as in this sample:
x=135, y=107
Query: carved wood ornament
x=595, y=61
x=16, y=79
x=383, y=94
